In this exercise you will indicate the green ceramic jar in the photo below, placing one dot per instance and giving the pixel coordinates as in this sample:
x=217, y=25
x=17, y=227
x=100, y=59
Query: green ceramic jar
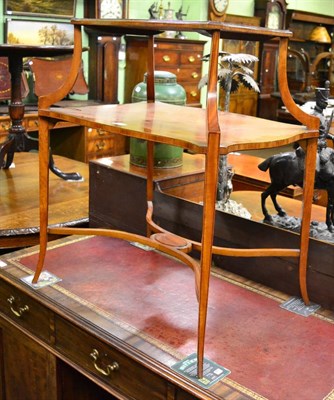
x=167, y=90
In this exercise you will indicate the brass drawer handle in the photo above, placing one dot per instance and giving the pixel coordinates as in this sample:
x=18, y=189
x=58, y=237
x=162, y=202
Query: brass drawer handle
x=166, y=58
x=101, y=132
x=114, y=366
x=191, y=59
x=5, y=126
x=193, y=93
x=194, y=75
x=18, y=312
x=100, y=145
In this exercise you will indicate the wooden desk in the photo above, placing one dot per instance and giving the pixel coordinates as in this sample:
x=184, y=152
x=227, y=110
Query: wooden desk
x=19, y=206
x=54, y=331
x=56, y=337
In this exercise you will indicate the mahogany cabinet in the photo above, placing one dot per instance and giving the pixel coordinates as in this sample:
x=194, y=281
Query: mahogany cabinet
x=170, y=55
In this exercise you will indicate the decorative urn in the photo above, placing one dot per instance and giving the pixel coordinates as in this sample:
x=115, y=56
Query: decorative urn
x=167, y=90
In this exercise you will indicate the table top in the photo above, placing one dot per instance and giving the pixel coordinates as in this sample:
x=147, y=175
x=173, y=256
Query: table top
x=8, y=50
x=151, y=26
x=182, y=126
x=19, y=198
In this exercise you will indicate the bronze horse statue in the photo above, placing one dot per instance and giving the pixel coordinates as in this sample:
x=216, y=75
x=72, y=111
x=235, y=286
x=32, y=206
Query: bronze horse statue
x=288, y=169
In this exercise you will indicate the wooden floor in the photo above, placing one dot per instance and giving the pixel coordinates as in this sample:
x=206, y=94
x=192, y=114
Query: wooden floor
x=19, y=210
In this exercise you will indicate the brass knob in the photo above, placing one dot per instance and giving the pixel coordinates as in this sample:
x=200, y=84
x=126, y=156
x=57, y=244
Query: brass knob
x=193, y=93
x=108, y=369
x=100, y=145
x=101, y=132
x=17, y=311
x=191, y=59
x=194, y=75
x=166, y=58
x=5, y=126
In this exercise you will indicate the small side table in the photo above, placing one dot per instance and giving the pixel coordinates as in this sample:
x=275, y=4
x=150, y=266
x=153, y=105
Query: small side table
x=17, y=137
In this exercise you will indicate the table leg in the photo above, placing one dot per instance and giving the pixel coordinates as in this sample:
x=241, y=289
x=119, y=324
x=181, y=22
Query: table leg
x=15, y=141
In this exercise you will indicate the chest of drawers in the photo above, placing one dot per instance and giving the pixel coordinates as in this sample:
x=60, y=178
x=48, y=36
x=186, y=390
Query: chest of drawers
x=69, y=140
x=170, y=54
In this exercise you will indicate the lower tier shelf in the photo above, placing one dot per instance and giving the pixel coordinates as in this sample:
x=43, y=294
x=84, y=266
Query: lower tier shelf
x=117, y=200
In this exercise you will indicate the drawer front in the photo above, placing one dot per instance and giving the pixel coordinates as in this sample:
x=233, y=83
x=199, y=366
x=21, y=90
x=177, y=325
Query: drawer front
x=31, y=124
x=25, y=311
x=97, y=133
x=189, y=58
x=167, y=58
x=104, y=144
x=108, y=364
x=193, y=93
x=189, y=75
x=4, y=126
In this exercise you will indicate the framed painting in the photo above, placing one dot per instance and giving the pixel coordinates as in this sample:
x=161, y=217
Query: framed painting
x=50, y=8
x=39, y=33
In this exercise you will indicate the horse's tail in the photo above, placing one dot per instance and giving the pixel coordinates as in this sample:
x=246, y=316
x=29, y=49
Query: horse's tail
x=265, y=164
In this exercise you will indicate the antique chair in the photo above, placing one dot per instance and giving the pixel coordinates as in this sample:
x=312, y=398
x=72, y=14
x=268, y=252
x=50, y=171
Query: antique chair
x=50, y=74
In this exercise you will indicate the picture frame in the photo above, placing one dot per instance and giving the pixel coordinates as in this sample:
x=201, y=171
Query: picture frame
x=50, y=8
x=113, y=9
x=31, y=32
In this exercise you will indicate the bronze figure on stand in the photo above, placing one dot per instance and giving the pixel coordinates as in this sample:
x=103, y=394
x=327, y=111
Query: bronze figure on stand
x=288, y=169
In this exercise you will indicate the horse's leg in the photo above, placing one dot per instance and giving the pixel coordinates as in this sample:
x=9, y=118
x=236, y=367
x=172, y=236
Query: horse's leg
x=264, y=195
x=330, y=213
x=278, y=208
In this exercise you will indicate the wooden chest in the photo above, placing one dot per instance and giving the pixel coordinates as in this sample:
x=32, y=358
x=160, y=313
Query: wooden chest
x=170, y=55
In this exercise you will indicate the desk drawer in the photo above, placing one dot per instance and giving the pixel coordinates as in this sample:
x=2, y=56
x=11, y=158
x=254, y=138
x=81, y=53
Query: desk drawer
x=191, y=58
x=4, y=126
x=128, y=378
x=25, y=311
x=166, y=58
x=193, y=93
x=104, y=144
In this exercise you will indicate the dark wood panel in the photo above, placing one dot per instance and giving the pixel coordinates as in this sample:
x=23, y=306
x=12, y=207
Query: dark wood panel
x=29, y=369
